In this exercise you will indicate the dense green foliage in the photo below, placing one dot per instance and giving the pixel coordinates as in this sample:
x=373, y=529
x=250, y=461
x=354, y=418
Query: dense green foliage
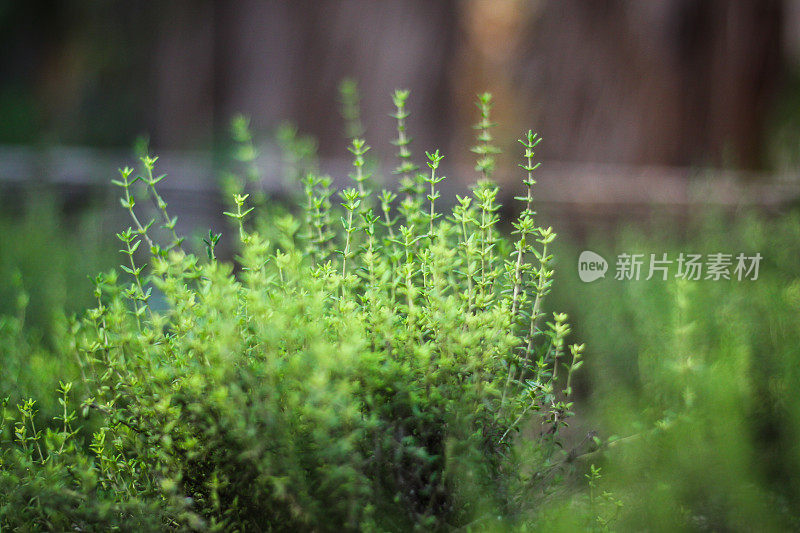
x=363, y=365
x=45, y=258
x=370, y=362
x=697, y=378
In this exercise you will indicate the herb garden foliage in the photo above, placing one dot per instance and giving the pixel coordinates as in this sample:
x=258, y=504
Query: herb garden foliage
x=367, y=367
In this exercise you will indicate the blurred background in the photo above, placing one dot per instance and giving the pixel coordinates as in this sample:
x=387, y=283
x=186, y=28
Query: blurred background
x=668, y=126
x=673, y=84
x=666, y=82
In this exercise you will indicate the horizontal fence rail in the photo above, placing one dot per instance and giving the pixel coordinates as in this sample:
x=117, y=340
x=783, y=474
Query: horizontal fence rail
x=577, y=189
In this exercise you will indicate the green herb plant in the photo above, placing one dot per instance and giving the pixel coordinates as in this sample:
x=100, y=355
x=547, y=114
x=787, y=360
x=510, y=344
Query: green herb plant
x=365, y=364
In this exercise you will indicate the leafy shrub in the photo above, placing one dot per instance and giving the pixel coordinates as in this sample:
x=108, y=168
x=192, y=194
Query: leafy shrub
x=696, y=377
x=45, y=256
x=363, y=365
